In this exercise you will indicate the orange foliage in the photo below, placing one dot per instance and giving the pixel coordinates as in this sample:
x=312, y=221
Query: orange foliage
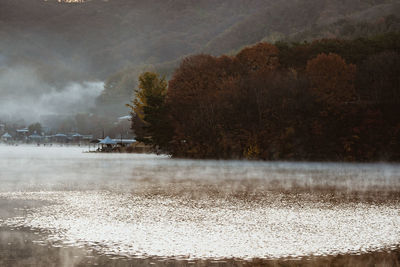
x=332, y=80
x=260, y=57
x=250, y=106
x=193, y=98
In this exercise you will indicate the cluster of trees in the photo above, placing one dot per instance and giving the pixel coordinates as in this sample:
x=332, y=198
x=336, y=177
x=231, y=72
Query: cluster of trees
x=326, y=100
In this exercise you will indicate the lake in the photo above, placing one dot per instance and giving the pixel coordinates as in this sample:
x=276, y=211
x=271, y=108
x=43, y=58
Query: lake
x=142, y=208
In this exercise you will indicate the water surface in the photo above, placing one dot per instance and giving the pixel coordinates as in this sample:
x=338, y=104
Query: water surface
x=145, y=206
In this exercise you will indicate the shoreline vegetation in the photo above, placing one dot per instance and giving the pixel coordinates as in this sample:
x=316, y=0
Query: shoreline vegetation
x=327, y=100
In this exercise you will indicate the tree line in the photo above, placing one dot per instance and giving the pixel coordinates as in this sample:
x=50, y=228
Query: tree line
x=329, y=99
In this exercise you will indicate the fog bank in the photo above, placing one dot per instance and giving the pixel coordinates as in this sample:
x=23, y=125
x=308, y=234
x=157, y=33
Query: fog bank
x=25, y=95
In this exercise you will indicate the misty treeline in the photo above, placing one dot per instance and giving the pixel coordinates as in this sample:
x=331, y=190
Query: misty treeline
x=326, y=100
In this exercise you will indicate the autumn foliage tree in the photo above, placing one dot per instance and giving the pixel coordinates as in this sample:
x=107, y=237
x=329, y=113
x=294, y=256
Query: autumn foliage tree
x=332, y=80
x=260, y=57
x=194, y=102
x=35, y=128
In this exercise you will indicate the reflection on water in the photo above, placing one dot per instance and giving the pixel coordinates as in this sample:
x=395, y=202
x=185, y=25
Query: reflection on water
x=146, y=205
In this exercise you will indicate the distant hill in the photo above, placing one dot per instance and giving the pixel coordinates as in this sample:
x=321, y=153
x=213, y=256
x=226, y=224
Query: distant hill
x=305, y=20
x=374, y=21
x=96, y=38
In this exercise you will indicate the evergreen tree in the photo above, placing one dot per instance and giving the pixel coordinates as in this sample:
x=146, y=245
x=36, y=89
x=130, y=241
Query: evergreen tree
x=149, y=111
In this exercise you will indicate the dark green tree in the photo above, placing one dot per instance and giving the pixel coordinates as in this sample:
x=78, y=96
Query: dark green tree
x=150, y=121
x=35, y=128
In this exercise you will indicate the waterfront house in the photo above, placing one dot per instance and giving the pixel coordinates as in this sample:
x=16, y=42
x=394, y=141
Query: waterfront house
x=77, y=137
x=22, y=134
x=6, y=137
x=60, y=138
x=35, y=137
x=107, y=144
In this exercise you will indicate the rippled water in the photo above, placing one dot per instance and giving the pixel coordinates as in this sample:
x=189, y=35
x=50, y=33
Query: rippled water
x=146, y=205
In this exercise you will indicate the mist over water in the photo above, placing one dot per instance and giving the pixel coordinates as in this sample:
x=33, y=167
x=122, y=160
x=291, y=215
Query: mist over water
x=135, y=205
x=52, y=168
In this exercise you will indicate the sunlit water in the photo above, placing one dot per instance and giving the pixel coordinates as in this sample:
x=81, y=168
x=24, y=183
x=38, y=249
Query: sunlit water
x=147, y=205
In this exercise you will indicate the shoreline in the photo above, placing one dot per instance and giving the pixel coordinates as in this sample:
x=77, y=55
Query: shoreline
x=151, y=152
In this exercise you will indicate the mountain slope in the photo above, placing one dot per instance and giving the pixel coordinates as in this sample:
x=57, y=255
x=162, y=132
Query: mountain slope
x=290, y=18
x=96, y=38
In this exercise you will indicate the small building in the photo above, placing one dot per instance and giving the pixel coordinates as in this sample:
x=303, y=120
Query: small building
x=22, y=134
x=6, y=137
x=107, y=144
x=77, y=137
x=87, y=138
x=125, y=142
x=60, y=138
x=35, y=137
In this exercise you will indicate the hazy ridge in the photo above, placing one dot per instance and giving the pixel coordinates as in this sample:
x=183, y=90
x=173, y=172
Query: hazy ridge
x=97, y=38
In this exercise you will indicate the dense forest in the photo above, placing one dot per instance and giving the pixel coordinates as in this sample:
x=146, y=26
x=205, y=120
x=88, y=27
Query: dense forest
x=329, y=99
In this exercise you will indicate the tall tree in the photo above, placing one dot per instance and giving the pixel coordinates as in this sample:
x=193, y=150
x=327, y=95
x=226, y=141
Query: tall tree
x=149, y=111
x=194, y=100
x=35, y=128
x=260, y=57
x=331, y=78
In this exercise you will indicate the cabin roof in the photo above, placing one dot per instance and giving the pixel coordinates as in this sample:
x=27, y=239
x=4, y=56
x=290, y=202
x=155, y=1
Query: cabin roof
x=108, y=141
x=6, y=135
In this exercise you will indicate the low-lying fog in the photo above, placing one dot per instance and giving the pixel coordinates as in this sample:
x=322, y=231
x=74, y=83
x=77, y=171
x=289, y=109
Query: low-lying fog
x=26, y=95
x=146, y=205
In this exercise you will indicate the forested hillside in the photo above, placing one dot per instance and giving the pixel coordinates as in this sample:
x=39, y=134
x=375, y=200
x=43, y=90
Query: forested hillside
x=116, y=40
x=303, y=20
x=97, y=38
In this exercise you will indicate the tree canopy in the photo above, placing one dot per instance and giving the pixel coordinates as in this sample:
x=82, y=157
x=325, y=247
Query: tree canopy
x=321, y=104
